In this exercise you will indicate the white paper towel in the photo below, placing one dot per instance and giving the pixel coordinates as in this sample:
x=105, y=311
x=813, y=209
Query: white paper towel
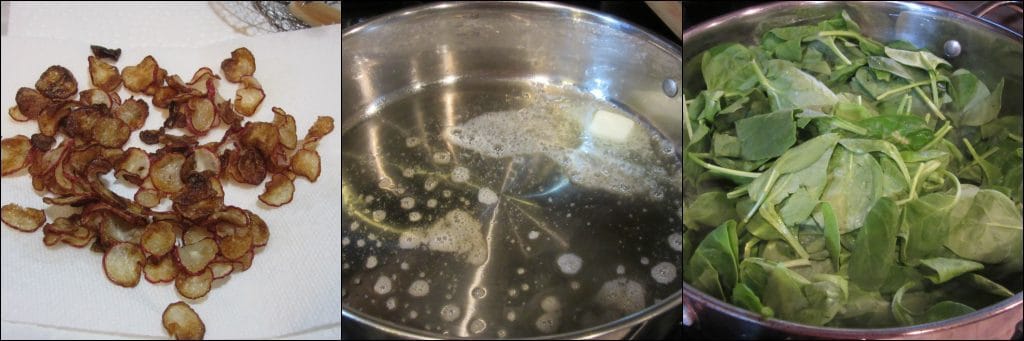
x=293, y=287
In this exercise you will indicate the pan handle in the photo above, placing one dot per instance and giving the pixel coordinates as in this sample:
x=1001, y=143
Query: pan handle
x=988, y=6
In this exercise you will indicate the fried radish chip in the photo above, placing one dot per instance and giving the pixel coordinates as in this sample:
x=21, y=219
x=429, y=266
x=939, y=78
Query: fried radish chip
x=247, y=99
x=194, y=257
x=242, y=63
x=15, y=154
x=285, y=128
x=139, y=77
x=31, y=103
x=134, y=166
x=324, y=125
x=182, y=322
x=133, y=112
x=158, y=238
x=22, y=219
x=104, y=76
x=57, y=83
x=306, y=163
x=194, y=286
x=279, y=191
x=160, y=270
x=202, y=115
x=166, y=173
x=123, y=264
x=16, y=114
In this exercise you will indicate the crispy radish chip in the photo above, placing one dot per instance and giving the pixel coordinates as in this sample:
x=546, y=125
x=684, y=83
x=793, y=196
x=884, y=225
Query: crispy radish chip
x=31, y=103
x=194, y=286
x=306, y=163
x=139, y=77
x=285, y=128
x=242, y=63
x=133, y=112
x=195, y=234
x=16, y=114
x=221, y=270
x=260, y=231
x=15, y=154
x=158, y=238
x=235, y=241
x=57, y=83
x=123, y=264
x=324, y=125
x=194, y=257
x=134, y=166
x=182, y=322
x=160, y=270
x=203, y=117
x=279, y=191
x=247, y=99
x=95, y=96
x=22, y=219
x=166, y=173
x=103, y=75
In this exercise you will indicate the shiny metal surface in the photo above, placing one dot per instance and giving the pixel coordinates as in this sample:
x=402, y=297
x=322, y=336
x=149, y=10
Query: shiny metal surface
x=989, y=50
x=486, y=135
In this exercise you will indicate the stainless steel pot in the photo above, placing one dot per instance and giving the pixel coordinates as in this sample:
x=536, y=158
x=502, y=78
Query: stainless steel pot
x=410, y=77
x=990, y=51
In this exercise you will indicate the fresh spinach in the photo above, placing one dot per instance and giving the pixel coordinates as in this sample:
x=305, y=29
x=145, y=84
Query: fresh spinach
x=867, y=183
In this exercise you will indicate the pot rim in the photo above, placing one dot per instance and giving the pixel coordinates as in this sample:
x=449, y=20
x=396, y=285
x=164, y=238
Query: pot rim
x=672, y=48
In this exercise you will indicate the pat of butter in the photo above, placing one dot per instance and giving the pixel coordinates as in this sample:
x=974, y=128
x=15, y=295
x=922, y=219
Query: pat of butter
x=610, y=126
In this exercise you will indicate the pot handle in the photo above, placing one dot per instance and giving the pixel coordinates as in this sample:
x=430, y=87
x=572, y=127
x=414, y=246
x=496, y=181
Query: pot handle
x=988, y=6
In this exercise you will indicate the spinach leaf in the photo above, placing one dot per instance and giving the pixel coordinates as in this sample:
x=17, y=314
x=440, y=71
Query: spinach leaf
x=973, y=103
x=727, y=68
x=892, y=66
x=984, y=284
x=926, y=220
x=939, y=270
x=714, y=266
x=725, y=145
x=745, y=298
x=831, y=233
x=854, y=186
x=875, y=251
x=946, y=310
x=988, y=230
x=790, y=88
x=902, y=314
x=919, y=59
x=903, y=131
x=766, y=136
x=783, y=292
x=709, y=210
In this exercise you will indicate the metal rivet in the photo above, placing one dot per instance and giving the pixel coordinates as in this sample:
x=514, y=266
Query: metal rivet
x=669, y=87
x=951, y=48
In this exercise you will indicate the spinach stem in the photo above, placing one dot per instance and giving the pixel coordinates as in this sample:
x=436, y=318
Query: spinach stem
x=722, y=170
x=686, y=120
x=796, y=263
x=935, y=86
x=900, y=89
x=761, y=78
x=739, y=192
x=939, y=135
x=769, y=214
x=1014, y=137
x=930, y=105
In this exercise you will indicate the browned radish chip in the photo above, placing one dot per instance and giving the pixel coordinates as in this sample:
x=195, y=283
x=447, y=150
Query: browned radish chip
x=221, y=270
x=103, y=52
x=194, y=257
x=162, y=97
x=233, y=215
x=279, y=191
x=203, y=117
x=103, y=75
x=194, y=286
x=158, y=81
x=236, y=243
x=16, y=114
x=80, y=237
x=262, y=136
x=147, y=197
x=247, y=99
x=15, y=154
x=285, y=128
x=137, y=78
x=182, y=322
x=134, y=166
x=324, y=125
x=60, y=226
x=260, y=231
x=160, y=269
x=244, y=263
x=166, y=173
x=241, y=63
x=31, y=103
x=195, y=234
x=51, y=118
x=22, y=219
x=110, y=132
x=94, y=96
x=133, y=112
x=42, y=142
x=45, y=163
x=57, y=83
x=51, y=239
x=306, y=163
x=116, y=229
x=123, y=264
x=158, y=238
x=250, y=166
x=205, y=159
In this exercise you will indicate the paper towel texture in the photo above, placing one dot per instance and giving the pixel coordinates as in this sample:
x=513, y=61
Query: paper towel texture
x=293, y=287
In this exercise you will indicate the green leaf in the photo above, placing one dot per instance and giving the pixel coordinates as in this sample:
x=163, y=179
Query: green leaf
x=875, y=251
x=745, y=298
x=984, y=284
x=783, y=292
x=714, y=265
x=727, y=68
x=973, y=104
x=926, y=220
x=902, y=314
x=854, y=184
x=709, y=210
x=790, y=88
x=766, y=136
x=946, y=310
x=988, y=230
x=831, y=233
x=892, y=66
x=725, y=145
x=919, y=59
x=940, y=270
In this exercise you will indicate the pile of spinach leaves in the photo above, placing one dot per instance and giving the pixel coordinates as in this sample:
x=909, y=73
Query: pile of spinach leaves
x=830, y=179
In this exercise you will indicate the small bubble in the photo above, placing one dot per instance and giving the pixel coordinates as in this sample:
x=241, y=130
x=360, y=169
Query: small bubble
x=520, y=271
x=574, y=285
x=345, y=241
x=371, y=262
x=525, y=286
x=512, y=292
x=442, y=157
x=446, y=193
x=675, y=240
x=477, y=326
x=357, y=281
x=413, y=314
x=408, y=203
x=644, y=260
x=405, y=266
x=383, y=285
x=620, y=269
x=379, y=215
x=412, y=141
x=391, y=303
x=360, y=243
x=460, y=174
x=355, y=226
x=479, y=292
x=429, y=184
x=408, y=172
x=502, y=333
x=450, y=312
x=511, y=316
x=534, y=234
x=432, y=203
x=415, y=216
